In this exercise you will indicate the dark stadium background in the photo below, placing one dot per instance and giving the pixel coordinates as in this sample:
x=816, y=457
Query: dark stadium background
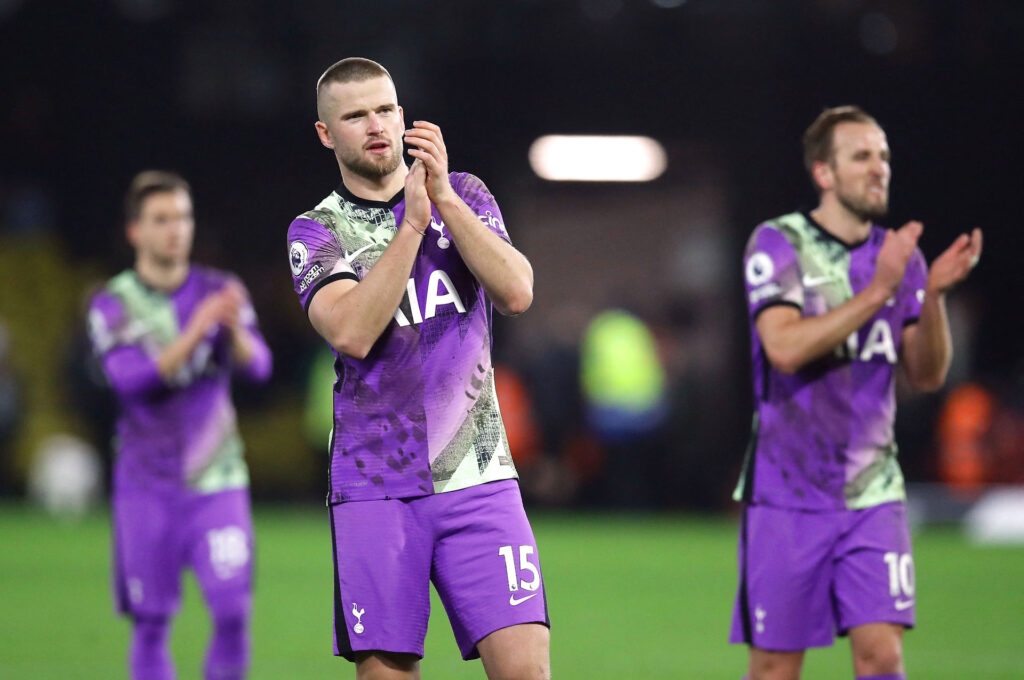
x=94, y=91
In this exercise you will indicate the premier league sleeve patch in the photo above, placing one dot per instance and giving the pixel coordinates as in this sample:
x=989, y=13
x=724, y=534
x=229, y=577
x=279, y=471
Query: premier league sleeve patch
x=298, y=256
x=759, y=269
x=771, y=271
x=314, y=256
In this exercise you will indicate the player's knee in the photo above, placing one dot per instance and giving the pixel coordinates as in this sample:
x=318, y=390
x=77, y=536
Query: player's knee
x=766, y=665
x=149, y=656
x=151, y=632
x=883, y=656
x=520, y=669
x=231, y=610
x=520, y=652
x=233, y=626
x=374, y=664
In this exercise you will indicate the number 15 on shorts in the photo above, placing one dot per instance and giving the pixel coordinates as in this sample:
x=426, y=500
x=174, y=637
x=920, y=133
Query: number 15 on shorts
x=517, y=577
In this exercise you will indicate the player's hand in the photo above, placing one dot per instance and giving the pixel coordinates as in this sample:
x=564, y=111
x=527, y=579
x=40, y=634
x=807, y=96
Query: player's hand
x=233, y=300
x=210, y=312
x=417, y=202
x=953, y=266
x=894, y=254
x=427, y=145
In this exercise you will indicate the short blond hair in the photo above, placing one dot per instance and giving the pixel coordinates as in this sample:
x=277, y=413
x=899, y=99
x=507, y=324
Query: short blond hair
x=350, y=69
x=147, y=183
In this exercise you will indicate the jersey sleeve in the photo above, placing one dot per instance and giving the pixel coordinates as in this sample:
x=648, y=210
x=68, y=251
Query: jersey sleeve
x=912, y=289
x=130, y=371
x=315, y=258
x=480, y=200
x=771, y=271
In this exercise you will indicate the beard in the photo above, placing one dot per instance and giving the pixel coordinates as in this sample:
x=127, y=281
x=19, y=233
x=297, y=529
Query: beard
x=375, y=168
x=862, y=208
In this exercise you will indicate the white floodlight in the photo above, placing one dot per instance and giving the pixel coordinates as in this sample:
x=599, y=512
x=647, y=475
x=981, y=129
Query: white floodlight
x=597, y=158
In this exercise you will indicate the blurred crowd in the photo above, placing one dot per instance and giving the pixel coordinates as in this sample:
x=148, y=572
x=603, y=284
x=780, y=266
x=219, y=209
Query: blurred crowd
x=628, y=382
x=610, y=407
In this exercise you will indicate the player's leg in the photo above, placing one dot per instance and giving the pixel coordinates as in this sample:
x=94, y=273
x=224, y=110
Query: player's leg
x=220, y=550
x=386, y=666
x=488, y=576
x=874, y=588
x=381, y=587
x=877, y=651
x=768, y=665
x=521, y=651
x=150, y=657
x=146, y=564
x=783, y=602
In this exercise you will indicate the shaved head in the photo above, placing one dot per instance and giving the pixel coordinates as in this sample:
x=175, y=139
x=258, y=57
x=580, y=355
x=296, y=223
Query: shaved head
x=352, y=69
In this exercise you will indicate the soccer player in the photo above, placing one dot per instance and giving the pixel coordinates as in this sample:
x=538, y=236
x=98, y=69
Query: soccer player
x=397, y=270
x=835, y=302
x=171, y=335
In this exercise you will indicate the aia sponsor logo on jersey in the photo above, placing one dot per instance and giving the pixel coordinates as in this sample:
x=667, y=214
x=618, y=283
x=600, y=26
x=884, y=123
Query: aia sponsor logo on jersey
x=440, y=292
x=878, y=344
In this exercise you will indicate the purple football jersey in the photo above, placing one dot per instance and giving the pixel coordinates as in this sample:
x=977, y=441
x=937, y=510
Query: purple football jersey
x=419, y=415
x=179, y=433
x=823, y=437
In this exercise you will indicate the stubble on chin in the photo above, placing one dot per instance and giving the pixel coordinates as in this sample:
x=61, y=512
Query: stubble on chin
x=373, y=170
x=865, y=210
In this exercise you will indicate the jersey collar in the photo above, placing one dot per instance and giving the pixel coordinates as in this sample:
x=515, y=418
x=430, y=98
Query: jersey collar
x=828, y=234
x=343, y=191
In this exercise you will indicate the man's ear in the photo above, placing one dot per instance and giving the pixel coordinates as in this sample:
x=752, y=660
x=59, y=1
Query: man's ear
x=324, y=134
x=824, y=175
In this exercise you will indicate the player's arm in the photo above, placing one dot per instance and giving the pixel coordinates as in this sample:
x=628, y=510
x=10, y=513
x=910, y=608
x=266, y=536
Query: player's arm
x=791, y=340
x=504, y=272
x=249, y=351
x=927, y=345
x=210, y=312
x=131, y=371
x=351, y=315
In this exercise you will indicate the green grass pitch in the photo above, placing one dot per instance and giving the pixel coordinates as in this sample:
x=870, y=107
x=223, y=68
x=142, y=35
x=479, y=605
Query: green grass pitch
x=631, y=596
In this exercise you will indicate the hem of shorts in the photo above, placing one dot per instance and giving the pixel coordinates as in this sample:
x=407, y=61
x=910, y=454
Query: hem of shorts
x=845, y=632
x=733, y=640
x=474, y=653
x=131, y=613
x=351, y=654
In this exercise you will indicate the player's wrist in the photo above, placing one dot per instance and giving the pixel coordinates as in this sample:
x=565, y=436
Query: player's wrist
x=446, y=199
x=422, y=231
x=878, y=293
x=933, y=291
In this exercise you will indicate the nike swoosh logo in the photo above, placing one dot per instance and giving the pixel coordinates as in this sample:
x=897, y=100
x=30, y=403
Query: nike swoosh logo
x=814, y=281
x=903, y=604
x=357, y=253
x=513, y=601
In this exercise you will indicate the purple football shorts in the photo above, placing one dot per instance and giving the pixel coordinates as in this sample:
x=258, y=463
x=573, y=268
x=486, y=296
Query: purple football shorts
x=805, y=576
x=475, y=544
x=156, y=535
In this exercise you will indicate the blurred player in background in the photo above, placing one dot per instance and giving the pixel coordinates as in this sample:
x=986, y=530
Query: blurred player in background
x=397, y=270
x=171, y=335
x=836, y=302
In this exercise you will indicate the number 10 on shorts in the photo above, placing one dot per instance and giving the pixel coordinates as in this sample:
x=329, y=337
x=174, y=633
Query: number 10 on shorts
x=525, y=565
x=901, y=573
